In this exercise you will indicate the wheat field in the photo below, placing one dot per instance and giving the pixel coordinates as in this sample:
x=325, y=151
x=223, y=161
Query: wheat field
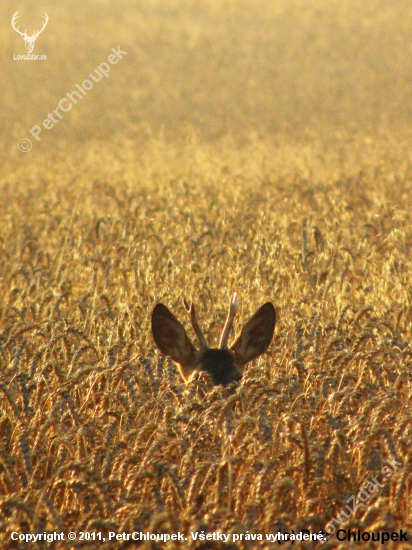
x=255, y=147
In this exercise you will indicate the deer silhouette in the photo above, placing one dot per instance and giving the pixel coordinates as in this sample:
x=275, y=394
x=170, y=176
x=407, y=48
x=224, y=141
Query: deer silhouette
x=29, y=41
x=224, y=364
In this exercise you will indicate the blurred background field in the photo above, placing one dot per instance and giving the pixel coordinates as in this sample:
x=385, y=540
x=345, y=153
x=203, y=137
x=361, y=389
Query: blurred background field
x=248, y=69
x=263, y=147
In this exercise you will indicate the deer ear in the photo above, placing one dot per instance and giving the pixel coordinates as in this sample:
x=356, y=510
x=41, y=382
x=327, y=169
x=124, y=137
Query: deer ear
x=171, y=339
x=256, y=335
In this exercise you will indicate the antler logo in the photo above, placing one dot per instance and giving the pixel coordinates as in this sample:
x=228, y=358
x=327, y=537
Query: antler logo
x=29, y=40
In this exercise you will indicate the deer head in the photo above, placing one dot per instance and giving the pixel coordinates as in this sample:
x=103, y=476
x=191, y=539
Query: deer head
x=28, y=40
x=225, y=365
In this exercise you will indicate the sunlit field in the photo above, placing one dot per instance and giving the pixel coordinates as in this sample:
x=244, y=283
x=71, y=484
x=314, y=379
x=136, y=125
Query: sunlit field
x=257, y=147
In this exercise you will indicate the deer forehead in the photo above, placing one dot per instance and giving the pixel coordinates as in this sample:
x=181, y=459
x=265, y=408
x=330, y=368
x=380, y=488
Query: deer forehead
x=220, y=364
x=208, y=358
